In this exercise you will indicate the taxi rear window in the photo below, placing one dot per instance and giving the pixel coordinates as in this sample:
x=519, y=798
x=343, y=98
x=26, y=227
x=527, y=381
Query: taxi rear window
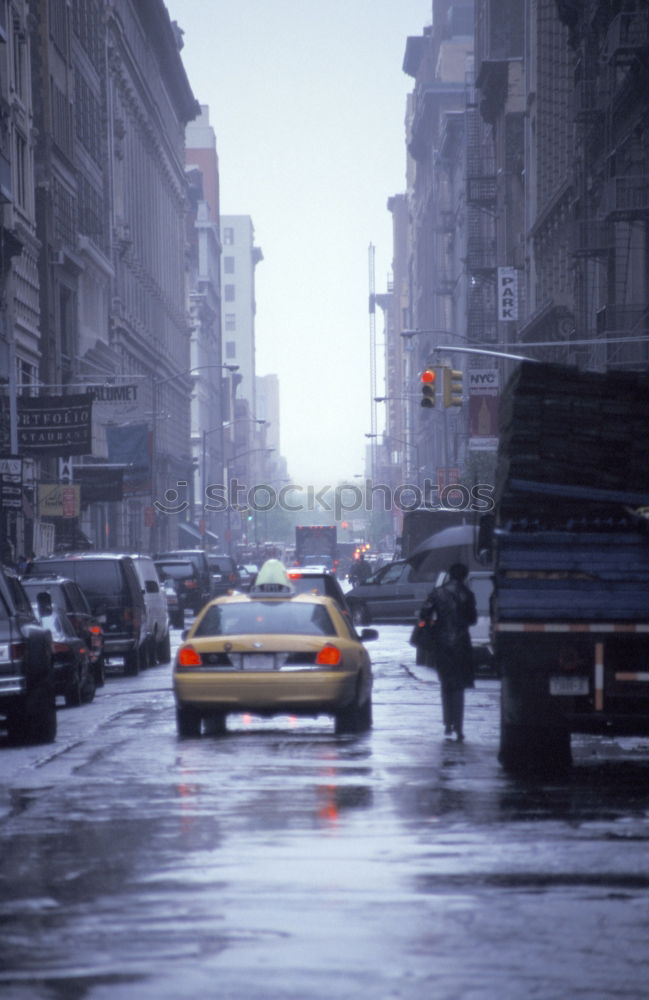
x=265, y=618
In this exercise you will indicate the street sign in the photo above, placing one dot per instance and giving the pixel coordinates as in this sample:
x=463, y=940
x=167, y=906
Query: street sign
x=11, y=482
x=507, y=293
x=65, y=470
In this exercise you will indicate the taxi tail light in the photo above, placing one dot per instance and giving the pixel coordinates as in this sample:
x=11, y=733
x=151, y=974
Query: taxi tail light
x=188, y=657
x=328, y=656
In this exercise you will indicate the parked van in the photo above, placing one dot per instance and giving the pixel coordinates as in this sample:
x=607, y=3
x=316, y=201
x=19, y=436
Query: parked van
x=112, y=585
x=197, y=557
x=157, y=613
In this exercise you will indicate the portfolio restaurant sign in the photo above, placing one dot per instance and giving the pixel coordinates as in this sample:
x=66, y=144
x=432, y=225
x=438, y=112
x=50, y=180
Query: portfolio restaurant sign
x=55, y=425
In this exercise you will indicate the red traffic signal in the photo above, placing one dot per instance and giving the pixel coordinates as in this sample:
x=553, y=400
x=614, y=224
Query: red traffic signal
x=428, y=379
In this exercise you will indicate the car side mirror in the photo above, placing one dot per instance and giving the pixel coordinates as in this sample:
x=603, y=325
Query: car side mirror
x=367, y=634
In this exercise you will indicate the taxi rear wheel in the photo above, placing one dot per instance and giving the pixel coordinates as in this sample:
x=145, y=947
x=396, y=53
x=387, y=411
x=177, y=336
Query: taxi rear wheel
x=214, y=724
x=354, y=718
x=188, y=721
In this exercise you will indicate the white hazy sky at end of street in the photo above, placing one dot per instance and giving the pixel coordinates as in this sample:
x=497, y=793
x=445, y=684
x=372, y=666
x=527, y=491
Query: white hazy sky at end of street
x=307, y=99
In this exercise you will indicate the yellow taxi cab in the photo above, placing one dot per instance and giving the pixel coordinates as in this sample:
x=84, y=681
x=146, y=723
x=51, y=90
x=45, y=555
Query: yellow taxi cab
x=272, y=651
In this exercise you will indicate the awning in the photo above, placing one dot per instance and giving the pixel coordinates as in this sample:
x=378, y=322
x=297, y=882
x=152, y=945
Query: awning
x=191, y=532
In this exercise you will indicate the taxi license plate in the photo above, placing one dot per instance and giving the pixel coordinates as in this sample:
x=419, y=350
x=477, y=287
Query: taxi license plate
x=568, y=685
x=258, y=661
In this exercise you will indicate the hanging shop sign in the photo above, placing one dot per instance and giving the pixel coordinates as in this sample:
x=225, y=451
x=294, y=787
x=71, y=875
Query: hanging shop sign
x=11, y=482
x=55, y=425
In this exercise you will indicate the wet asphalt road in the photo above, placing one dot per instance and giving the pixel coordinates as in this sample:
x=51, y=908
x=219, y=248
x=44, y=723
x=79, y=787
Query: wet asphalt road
x=281, y=861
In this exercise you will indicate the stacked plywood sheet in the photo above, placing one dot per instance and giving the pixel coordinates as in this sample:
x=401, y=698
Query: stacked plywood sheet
x=572, y=476
x=574, y=435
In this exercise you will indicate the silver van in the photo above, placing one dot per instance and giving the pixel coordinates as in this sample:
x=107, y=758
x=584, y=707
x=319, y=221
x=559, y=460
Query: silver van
x=158, y=638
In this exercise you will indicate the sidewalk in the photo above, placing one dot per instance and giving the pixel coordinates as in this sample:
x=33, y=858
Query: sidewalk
x=418, y=671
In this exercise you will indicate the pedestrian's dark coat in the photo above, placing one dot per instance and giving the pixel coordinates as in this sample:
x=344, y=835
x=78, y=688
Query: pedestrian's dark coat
x=452, y=607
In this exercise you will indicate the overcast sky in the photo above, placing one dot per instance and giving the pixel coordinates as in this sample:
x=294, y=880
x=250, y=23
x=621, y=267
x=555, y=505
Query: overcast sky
x=307, y=99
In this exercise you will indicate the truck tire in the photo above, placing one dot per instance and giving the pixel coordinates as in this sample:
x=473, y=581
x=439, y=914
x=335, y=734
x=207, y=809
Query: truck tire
x=73, y=694
x=360, y=614
x=132, y=662
x=188, y=721
x=354, y=718
x=526, y=747
x=99, y=671
x=163, y=649
x=33, y=720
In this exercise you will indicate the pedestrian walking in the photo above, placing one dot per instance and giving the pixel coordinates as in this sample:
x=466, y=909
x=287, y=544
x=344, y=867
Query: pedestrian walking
x=450, y=610
x=360, y=571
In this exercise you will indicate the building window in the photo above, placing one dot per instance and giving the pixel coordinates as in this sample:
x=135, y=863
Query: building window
x=229, y=293
x=228, y=236
x=19, y=59
x=228, y=265
x=21, y=171
x=230, y=321
x=230, y=349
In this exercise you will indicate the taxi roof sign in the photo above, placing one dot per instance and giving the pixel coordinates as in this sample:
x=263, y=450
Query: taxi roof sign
x=272, y=578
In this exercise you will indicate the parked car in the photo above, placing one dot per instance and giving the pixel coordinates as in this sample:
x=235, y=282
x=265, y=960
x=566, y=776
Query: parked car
x=158, y=639
x=73, y=676
x=271, y=652
x=184, y=577
x=27, y=696
x=174, y=607
x=395, y=593
x=67, y=596
x=112, y=586
x=224, y=572
x=203, y=591
x=247, y=573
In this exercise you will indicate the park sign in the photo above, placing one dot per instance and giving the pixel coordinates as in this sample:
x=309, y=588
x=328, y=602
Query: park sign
x=507, y=285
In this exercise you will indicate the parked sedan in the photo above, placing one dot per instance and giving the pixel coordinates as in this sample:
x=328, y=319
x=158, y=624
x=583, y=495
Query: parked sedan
x=67, y=595
x=272, y=651
x=175, y=609
x=223, y=572
x=186, y=581
x=73, y=675
x=393, y=594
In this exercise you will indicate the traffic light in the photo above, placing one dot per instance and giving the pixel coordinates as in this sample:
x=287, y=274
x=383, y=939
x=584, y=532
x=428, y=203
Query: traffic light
x=428, y=379
x=452, y=387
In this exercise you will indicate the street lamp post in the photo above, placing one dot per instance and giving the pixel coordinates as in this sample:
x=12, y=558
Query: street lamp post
x=229, y=462
x=206, y=433
x=403, y=441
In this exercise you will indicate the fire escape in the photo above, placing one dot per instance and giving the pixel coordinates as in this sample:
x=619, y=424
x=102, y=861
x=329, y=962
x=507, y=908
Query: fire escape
x=612, y=185
x=481, y=194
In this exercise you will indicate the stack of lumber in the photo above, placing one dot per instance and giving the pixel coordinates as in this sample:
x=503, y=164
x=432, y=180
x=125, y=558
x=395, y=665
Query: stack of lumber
x=573, y=435
x=572, y=477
